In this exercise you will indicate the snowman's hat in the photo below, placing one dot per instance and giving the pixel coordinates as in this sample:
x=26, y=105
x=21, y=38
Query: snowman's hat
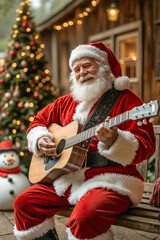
x=7, y=146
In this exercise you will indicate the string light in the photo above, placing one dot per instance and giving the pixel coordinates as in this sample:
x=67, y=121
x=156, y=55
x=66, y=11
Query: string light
x=18, y=75
x=25, y=69
x=22, y=154
x=14, y=131
x=42, y=45
x=31, y=104
x=28, y=90
x=14, y=65
x=18, y=122
x=31, y=119
x=28, y=47
x=36, y=37
x=23, y=54
x=36, y=78
x=28, y=29
x=82, y=14
x=47, y=71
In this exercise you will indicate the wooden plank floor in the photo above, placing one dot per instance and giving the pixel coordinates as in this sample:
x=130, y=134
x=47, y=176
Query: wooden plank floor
x=7, y=223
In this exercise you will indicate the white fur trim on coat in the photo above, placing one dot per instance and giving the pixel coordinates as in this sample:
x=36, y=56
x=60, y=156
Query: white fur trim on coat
x=36, y=231
x=88, y=51
x=121, y=83
x=123, y=184
x=82, y=111
x=126, y=144
x=104, y=236
x=33, y=136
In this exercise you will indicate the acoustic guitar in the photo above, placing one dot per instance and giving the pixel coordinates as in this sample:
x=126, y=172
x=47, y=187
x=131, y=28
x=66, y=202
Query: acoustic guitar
x=72, y=144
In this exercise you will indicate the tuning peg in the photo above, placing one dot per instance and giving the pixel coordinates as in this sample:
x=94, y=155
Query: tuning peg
x=144, y=121
x=139, y=123
x=151, y=120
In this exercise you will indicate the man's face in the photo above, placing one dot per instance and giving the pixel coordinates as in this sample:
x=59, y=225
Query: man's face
x=84, y=68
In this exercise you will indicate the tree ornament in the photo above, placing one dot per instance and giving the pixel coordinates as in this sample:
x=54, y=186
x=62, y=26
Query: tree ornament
x=32, y=43
x=22, y=128
x=2, y=70
x=4, y=115
x=34, y=67
x=11, y=43
x=20, y=105
x=24, y=35
x=1, y=81
x=36, y=95
x=23, y=63
x=7, y=95
x=44, y=74
x=1, y=132
x=17, y=46
x=8, y=76
x=11, y=102
x=24, y=24
x=25, y=18
x=12, y=53
x=26, y=105
x=16, y=92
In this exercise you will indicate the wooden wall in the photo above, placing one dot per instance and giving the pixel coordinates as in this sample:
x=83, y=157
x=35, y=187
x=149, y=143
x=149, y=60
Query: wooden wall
x=146, y=11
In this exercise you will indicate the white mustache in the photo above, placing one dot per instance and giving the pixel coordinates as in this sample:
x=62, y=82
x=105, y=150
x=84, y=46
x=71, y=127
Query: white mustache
x=86, y=77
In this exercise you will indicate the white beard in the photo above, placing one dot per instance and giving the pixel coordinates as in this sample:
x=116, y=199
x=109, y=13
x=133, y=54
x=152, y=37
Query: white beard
x=90, y=92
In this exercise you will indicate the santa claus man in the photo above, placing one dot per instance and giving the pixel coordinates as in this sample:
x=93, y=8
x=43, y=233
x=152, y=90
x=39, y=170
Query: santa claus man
x=109, y=183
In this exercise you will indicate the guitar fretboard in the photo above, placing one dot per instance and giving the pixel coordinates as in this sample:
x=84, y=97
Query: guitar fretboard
x=87, y=134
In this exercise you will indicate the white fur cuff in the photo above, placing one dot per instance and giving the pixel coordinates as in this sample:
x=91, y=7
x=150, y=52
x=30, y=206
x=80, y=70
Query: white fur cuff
x=123, y=150
x=34, y=135
x=36, y=231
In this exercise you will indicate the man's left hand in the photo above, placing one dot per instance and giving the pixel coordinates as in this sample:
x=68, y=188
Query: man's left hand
x=107, y=135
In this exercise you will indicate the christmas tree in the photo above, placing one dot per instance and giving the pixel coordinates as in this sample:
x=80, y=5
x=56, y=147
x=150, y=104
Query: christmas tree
x=25, y=83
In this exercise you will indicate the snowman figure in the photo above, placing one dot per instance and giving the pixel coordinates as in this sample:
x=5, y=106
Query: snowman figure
x=12, y=181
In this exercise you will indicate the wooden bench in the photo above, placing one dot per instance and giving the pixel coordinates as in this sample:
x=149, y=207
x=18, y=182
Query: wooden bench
x=143, y=217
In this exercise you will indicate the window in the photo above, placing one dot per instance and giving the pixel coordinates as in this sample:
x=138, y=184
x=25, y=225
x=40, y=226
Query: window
x=126, y=48
x=126, y=43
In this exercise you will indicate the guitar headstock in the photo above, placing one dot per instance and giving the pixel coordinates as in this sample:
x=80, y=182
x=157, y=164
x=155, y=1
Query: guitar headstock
x=147, y=110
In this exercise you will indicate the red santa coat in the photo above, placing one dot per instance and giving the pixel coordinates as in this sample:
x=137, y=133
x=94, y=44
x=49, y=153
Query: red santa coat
x=133, y=145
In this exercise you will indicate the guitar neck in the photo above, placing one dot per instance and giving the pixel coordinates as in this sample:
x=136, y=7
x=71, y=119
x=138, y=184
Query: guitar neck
x=87, y=134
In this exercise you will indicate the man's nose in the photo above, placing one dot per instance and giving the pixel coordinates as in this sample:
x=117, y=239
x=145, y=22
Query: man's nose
x=83, y=71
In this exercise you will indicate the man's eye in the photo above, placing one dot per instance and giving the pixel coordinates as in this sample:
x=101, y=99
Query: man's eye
x=76, y=70
x=87, y=66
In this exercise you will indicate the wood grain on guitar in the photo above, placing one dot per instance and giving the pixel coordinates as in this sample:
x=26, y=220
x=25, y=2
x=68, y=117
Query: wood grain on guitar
x=72, y=144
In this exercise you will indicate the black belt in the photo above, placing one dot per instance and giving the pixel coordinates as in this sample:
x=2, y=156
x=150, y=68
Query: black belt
x=94, y=159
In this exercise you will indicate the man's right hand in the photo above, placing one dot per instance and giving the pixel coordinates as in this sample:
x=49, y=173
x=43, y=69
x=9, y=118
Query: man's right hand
x=46, y=146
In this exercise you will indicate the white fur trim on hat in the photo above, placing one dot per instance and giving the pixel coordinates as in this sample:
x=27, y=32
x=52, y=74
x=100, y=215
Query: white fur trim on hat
x=88, y=51
x=121, y=83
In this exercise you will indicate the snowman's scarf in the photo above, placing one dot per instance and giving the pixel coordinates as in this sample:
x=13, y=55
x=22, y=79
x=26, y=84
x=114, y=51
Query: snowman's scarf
x=4, y=172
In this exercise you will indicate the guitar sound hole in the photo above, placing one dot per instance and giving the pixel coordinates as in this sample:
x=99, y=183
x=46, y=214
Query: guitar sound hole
x=60, y=146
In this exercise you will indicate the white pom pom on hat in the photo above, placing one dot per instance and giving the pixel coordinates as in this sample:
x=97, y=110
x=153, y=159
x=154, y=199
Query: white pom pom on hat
x=102, y=53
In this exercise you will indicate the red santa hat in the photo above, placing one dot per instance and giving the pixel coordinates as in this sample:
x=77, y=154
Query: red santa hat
x=102, y=53
x=7, y=146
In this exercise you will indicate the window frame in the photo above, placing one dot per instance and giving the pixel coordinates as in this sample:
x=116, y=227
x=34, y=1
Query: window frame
x=112, y=35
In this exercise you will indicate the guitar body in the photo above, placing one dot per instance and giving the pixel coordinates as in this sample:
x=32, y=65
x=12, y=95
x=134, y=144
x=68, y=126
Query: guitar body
x=70, y=160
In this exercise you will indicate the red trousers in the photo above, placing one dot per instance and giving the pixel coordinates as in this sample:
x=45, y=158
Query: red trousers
x=93, y=215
